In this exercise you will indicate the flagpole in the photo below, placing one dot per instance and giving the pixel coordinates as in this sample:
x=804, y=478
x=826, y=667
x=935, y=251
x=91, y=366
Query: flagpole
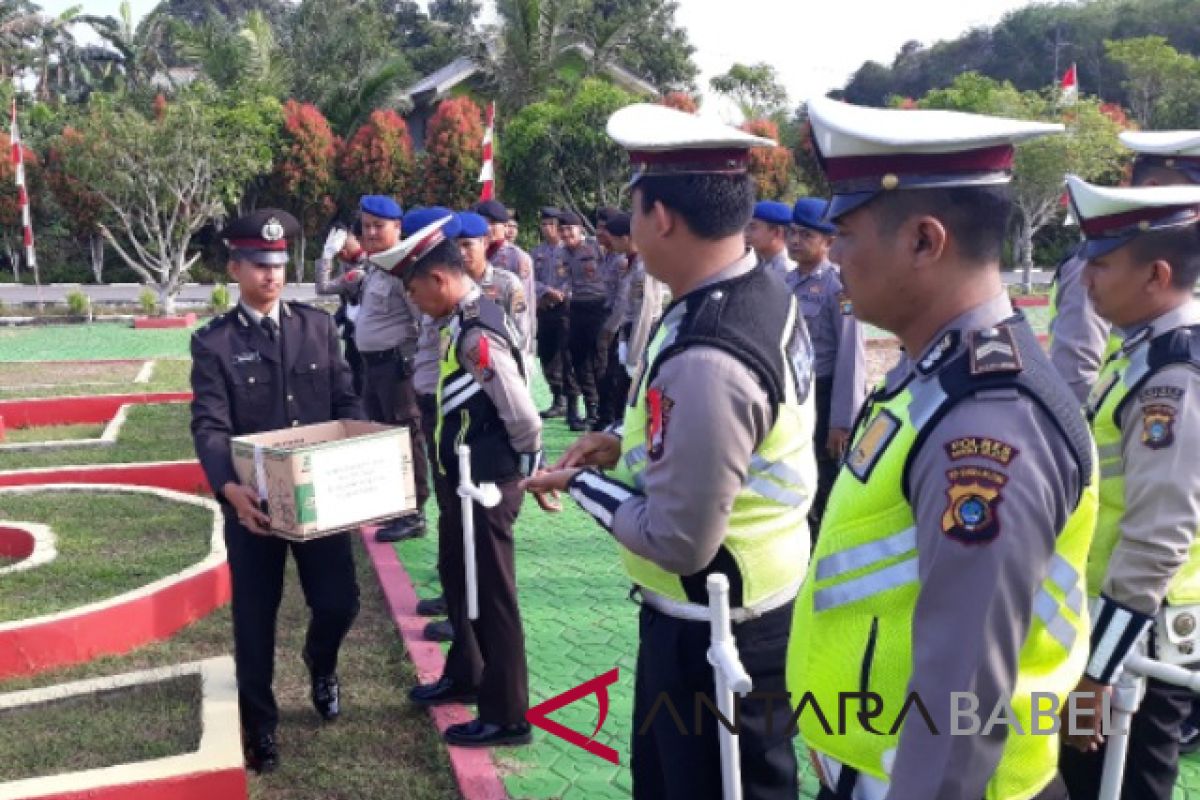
x=487, y=173
x=18, y=162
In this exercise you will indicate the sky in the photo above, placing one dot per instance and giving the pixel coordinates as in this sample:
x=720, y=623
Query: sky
x=814, y=47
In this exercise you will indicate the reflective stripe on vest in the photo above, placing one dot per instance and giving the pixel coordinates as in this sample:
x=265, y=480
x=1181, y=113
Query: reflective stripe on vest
x=767, y=532
x=852, y=626
x=1121, y=375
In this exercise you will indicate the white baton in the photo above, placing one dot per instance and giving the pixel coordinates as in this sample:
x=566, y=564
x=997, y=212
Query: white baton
x=729, y=676
x=488, y=496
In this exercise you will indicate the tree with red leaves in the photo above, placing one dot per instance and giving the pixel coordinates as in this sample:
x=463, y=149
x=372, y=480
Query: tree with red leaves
x=303, y=175
x=378, y=159
x=453, y=154
x=681, y=101
x=84, y=209
x=771, y=167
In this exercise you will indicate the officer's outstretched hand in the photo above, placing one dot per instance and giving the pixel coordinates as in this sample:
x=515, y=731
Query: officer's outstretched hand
x=245, y=502
x=545, y=486
x=597, y=449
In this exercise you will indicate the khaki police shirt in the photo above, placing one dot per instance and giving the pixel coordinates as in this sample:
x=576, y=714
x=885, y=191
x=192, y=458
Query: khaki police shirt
x=387, y=318
x=516, y=261
x=839, y=345
x=1162, y=477
x=426, y=368
x=328, y=284
x=585, y=273
x=976, y=600
x=780, y=264
x=549, y=272
x=502, y=382
x=720, y=414
x=1080, y=335
x=506, y=290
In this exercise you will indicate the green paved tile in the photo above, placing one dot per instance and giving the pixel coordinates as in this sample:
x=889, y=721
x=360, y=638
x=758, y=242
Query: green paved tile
x=100, y=340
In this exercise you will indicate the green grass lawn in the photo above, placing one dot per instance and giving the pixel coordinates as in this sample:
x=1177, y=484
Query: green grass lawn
x=107, y=544
x=101, y=730
x=170, y=375
x=52, y=433
x=99, y=340
x=150, y=433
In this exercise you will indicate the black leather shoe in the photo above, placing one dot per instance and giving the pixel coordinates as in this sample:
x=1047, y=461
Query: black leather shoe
x=440, y=692
x=432, y=606
x=557, y=409
x=262, y=753
x=485, y=734
x=409, y=527
x=440, y=631
x=326, y=694
x=577, y=424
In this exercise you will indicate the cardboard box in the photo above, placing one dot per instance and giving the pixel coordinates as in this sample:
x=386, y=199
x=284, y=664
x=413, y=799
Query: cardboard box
x=327, y=478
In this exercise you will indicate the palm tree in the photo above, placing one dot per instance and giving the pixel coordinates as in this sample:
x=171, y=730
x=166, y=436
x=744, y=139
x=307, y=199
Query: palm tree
x=57, y=52
x=534, y=38
x=19, y=23
x=140, y=48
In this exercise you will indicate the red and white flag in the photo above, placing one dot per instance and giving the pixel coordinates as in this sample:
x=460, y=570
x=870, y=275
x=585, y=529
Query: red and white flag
x=18, y=162
x=487, y=176
x=1069, y=90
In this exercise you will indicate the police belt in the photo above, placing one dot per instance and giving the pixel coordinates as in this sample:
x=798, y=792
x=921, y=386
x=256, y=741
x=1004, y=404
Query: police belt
x=695, y=612
x=382, y=356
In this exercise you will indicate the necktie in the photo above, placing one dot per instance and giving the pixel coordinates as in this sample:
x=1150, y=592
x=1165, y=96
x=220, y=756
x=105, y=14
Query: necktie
x=270, y=327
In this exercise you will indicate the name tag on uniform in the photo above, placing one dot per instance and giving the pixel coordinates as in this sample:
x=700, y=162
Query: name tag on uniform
x=246, y=358
x=872, y=444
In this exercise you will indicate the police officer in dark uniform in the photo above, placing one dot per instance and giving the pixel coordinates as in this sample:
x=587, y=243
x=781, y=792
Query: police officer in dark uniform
x=484, y=403
x=551, y=282
x=588, y=294
x=263, y=366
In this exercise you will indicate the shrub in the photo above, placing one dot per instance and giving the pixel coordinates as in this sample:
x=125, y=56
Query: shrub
x=148, y=300
x=219, y=301
x=79, y=304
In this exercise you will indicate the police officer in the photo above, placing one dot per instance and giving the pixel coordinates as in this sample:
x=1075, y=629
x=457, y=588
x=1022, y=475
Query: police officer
x=839, y=348
x=767, y=235
x=952, y=551
x=343, y=251
x=550, y=279
x=1080, y=340
x=588, y=295
x=263, y=366
x=1142, y=252
x=386, y=335
x=500, y=286
x=483, y=402
x=507, y=256
x=714, y=470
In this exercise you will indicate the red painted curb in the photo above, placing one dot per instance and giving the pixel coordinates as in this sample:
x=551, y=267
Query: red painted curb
x=181, y=476
x=227, y=784
x=158, y=323
x=72, y=638
x=1032, y=301
x=474, y=770
x=16, y=543
x=92, y=410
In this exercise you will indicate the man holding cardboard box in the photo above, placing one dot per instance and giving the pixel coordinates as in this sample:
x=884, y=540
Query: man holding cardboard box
x=485, y=404
x=263, y=366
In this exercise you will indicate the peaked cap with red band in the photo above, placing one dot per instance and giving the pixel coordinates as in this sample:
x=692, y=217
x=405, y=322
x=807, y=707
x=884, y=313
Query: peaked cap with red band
x=664, y=141
x=1177, y=150
x=867, y=151
x=261, y=236
x=1113, y=217
x=438, y=225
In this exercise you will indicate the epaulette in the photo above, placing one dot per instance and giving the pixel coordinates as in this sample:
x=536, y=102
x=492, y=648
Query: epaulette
x=939, y=353
x=212, y=325
x=470, y=310
x=993, y=350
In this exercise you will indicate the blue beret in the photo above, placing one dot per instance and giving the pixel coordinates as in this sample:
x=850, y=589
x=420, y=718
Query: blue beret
x=379, y=205
x=418, y=218
x=773, y=212
x=810, y=212
x=471, y=225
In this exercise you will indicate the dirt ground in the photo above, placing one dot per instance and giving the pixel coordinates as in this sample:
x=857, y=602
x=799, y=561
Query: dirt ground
x=15, y=375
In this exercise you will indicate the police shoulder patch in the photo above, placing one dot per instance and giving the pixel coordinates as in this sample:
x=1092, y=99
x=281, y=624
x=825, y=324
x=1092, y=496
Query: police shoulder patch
x=973, y=497
x=994, y=350
x=1158, y=425
x=981, y=447
x=658, y=408
x=1152, y=393
x=871, y=444
x=845, y=304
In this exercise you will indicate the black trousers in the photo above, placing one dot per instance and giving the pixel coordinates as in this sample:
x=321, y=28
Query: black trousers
x=427, y=403
x=488, y=653
x=1152, y=764
x=587, y=322
x=353, y=358
x=256, y=564
x=827, y=465
x=1053, y=791
x=614, y=390
x=552, y=339
x=672, y=663
x=391, y=400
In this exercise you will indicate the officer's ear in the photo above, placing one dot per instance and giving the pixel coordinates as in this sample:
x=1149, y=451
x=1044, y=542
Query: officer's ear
x=926, y=239
x=1161, y=273
x=663, y=220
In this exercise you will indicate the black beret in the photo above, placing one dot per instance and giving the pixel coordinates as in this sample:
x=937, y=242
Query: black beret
x=569, y=218
x=618, y=224
x=549, y=212
x=492, y=210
